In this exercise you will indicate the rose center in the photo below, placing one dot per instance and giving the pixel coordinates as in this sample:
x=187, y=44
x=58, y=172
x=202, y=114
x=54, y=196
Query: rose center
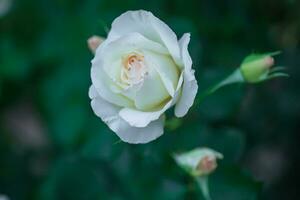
x=133, y=69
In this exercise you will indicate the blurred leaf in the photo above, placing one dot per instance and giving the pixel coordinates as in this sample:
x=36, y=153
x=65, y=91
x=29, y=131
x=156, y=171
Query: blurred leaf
x=14, y=63
x=171, y=190
x=229, y=182
x=100, y=142
x=229, y=142
x=76, y=178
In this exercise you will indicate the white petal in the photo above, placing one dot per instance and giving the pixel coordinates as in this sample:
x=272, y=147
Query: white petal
x=166, y=68
x=109, y=114
x=104, y=85
x=111, y=54
x=141, y=119
x=149, y=26
x=152, y=93
x=127, y=43
x=138, y=118
x=143, y=135
x=106, y=111
x=178, y=89
x=93, y=92
x=184, y=52
x=190, y=86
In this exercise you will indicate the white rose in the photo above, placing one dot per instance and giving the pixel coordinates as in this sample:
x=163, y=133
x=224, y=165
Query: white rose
x=139, y=72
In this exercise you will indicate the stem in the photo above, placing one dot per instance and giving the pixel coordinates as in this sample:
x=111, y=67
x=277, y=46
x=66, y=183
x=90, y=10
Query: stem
x=235, y=77
x=203, y=184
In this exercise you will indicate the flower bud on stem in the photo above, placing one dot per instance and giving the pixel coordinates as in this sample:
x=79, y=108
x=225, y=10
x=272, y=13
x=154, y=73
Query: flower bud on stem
x=255, y=68
x=199, y=163
x=93, y=43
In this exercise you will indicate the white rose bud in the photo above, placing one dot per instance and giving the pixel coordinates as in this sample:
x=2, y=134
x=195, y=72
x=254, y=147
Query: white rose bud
x=138, y=72
x=198, y=162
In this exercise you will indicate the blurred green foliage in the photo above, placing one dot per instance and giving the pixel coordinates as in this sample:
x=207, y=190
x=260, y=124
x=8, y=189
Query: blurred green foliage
x=44, y=81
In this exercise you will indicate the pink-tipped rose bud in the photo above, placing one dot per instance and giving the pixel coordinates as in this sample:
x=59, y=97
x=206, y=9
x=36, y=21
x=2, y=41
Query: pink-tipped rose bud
x=256, y=67
x=207, y=164
x=198, y=162
x=94, y=42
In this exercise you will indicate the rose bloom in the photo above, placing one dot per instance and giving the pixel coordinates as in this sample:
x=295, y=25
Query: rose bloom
x=138, y=72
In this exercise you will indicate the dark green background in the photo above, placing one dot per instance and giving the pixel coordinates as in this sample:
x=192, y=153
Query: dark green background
x=53, y=147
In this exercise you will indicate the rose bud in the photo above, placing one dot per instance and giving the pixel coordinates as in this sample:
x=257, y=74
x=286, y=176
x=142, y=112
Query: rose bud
x=198, y=162
x=257, y=67
x=94, y=42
